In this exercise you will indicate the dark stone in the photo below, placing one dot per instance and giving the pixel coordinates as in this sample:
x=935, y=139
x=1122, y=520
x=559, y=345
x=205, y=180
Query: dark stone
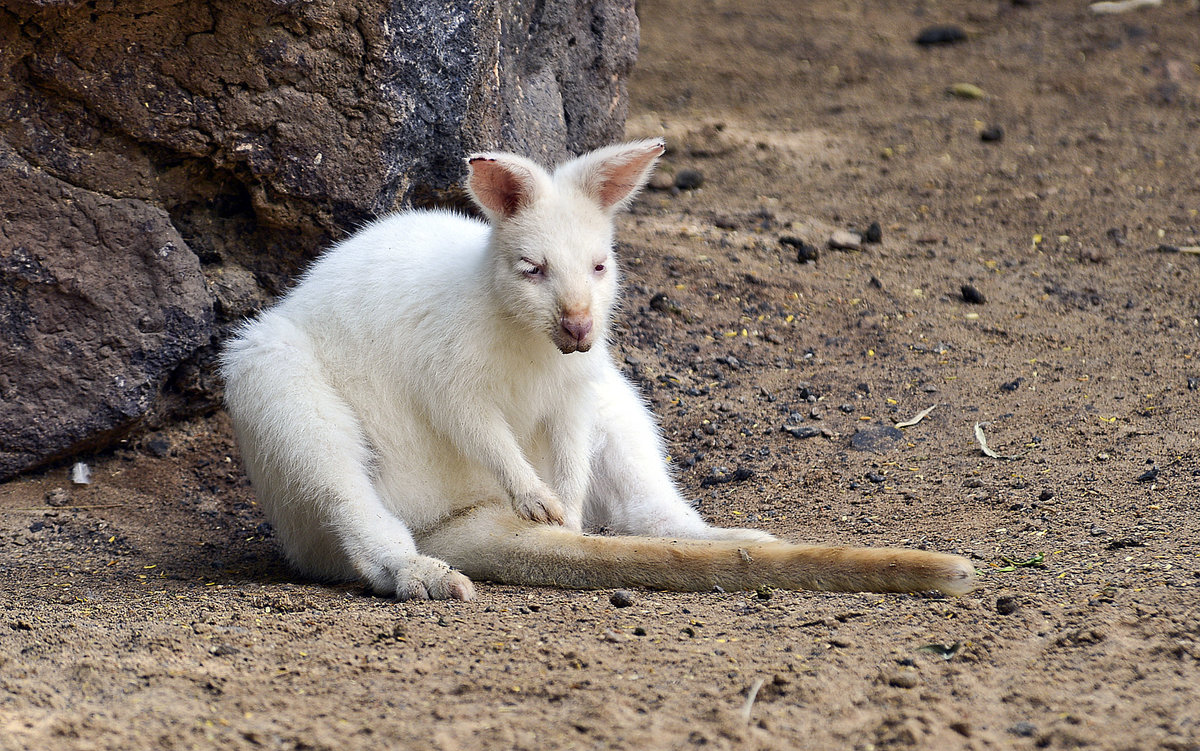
x=991, y=134
x=805, y=252
x=1012, y=385
x=874, y=234
x=801, y=431
x=689, y=179
x=158, y=446
x=1023, y=729
x=621, y=598
x=741, y=474
x=1149, y=475
x=972, y=295
x=941, y=34
x=876, y=439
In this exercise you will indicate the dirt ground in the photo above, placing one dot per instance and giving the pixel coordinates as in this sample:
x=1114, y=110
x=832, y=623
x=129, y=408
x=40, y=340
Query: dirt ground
x=150, y=610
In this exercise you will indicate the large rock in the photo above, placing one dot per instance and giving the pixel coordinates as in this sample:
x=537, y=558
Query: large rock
x=87, y=339
x=246, y=135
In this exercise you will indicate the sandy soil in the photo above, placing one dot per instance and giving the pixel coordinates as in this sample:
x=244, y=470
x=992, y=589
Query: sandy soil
x=149, y=609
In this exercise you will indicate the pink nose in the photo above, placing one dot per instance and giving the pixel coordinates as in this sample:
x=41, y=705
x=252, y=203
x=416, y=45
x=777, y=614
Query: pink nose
x=578, y=325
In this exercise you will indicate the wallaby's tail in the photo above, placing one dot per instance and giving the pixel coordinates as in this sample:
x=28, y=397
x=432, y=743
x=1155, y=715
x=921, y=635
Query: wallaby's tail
x=493, y=544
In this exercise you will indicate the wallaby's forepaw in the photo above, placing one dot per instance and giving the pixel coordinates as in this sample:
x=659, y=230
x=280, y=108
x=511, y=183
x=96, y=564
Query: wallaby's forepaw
x=422, y=578
x=540, y=506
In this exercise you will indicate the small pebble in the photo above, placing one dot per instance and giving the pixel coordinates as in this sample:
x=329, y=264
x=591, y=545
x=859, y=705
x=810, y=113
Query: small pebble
x=663, y=304
x=622, y=598
x=1193, y=384
x=902, y=678
x=966, y=91
x=941, y=34
x=845, y=240
x=81, y=474
x=801, y=431
x=805, y=252
x=689, y=179
x=874, y=233
x=159, y=446
x=1149, y=475
x=1045, y=495
x=58, y=497
x=876, y=439
x=1012, y=385
x=1023, y=729
x=972, y=295
x=991, y=134
x=875, y=477
x=741, y=474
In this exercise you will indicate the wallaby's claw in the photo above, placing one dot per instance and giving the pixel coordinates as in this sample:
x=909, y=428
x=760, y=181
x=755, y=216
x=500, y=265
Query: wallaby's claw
x=541, y=506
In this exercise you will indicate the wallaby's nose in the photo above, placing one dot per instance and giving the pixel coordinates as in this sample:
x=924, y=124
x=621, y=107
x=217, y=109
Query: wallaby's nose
x=578, y=325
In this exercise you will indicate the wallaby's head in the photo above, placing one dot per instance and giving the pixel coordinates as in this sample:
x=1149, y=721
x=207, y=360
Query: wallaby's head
x=552, y=259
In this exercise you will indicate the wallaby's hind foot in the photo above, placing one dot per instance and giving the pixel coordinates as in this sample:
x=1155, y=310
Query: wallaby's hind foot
x=420, y=578
x=491, y=543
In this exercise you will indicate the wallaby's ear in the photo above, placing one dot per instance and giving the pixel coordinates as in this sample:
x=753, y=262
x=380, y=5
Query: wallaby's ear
x=503, y=184
x=614, y=175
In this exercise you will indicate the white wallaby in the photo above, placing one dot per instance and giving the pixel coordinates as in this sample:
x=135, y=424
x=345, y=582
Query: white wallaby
x=438, y=392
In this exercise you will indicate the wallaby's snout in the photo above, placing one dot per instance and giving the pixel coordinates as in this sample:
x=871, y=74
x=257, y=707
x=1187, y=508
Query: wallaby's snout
x=575, y=331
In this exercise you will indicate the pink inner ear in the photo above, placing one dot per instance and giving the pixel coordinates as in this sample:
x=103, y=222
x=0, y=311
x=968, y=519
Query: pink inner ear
x=621, y=179
x=497, y=187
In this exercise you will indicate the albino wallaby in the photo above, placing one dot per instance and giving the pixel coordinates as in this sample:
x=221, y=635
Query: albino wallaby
x=438, y=392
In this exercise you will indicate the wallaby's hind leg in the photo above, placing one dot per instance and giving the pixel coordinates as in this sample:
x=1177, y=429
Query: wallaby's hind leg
x=631, y=488
x=493, y=543
x=309, y=462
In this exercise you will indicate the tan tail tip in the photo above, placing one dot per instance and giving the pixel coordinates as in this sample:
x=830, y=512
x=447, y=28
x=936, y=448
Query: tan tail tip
x=959, y=578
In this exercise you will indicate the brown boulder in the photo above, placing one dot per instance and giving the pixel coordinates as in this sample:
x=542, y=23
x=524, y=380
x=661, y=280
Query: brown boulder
x=87, y=338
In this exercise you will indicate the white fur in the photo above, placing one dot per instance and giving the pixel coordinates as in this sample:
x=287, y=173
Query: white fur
x=419, y=370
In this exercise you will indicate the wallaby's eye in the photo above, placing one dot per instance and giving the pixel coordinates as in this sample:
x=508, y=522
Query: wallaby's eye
x=600, y=268
x=531, y=270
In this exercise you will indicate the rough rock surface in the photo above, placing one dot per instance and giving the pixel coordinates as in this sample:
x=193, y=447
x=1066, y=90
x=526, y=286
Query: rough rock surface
x=87, y=339
x=248, y=136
